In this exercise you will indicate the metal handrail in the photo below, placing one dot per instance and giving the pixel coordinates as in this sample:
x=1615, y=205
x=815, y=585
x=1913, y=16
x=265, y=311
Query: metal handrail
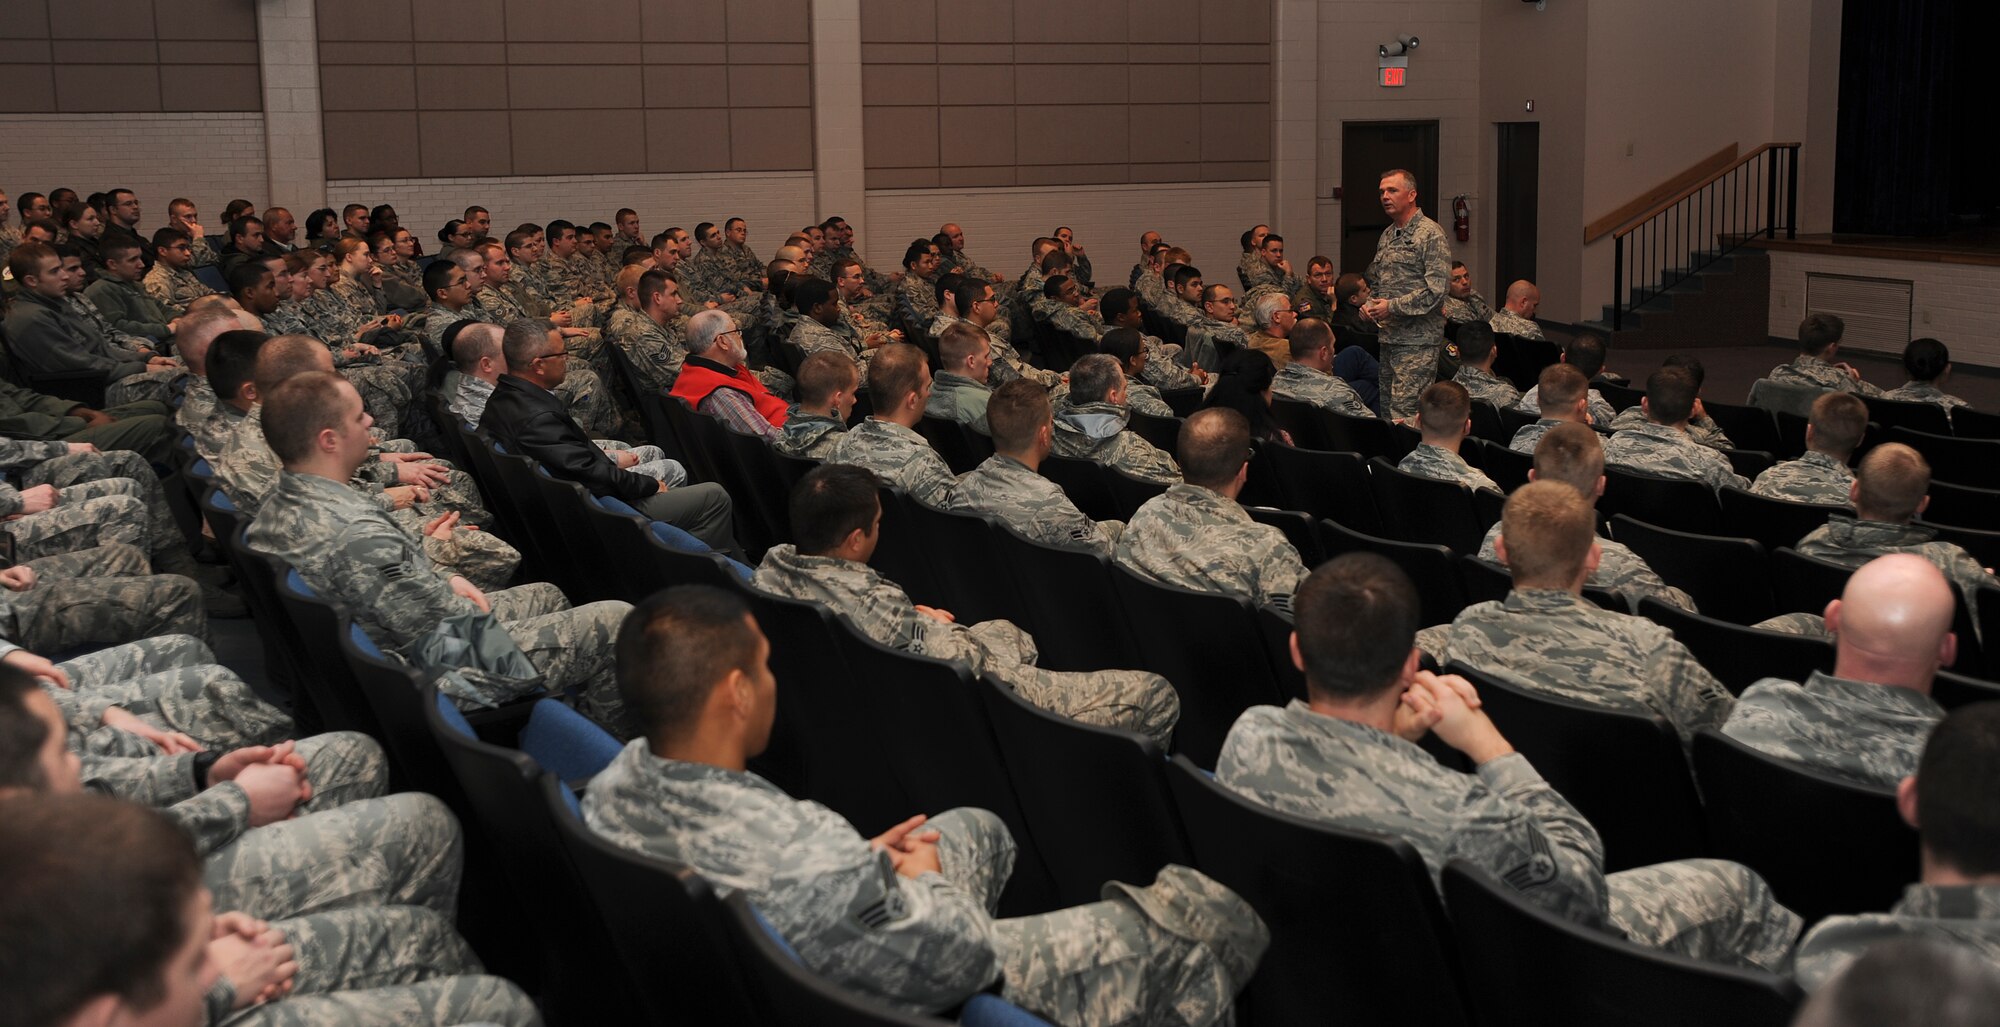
x=1719, y=214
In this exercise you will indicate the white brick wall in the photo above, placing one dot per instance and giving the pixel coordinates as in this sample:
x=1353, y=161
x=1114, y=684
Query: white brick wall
x=210, y=158
x=1951, y=302
x=775, y=203
x=1206, y=218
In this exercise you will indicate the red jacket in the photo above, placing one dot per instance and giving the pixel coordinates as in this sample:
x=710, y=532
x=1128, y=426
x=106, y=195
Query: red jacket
x=700, y=377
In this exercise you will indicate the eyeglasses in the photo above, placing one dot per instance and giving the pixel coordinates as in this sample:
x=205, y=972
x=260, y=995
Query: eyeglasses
x=557, y=355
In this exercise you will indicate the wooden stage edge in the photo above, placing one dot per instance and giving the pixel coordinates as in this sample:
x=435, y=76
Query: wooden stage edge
x=1983, y=253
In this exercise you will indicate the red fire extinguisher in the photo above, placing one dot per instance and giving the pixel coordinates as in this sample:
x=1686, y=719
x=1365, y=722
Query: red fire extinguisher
x=1461, y=218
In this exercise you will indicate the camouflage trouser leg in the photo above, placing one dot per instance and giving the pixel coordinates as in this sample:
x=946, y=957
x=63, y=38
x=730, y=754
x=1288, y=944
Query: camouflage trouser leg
x=396, y=966
x=1710, y=909
x=1407, y=369
x=402, y=849
x=975, y=851
x=589, y=402
x=1797, y=624
x=77, y=468
x=1175, y=952
x=206, y=702
x=138, y=388
x=573, y=649
x=653, y=463
x=115, y=560
x=485, y=559
x=89, y=515
x=146, y=656
x=522, y=602
x=383, y=391
x=459, y=493
x=344, y=767
x=1132, y=700
x=60, y=615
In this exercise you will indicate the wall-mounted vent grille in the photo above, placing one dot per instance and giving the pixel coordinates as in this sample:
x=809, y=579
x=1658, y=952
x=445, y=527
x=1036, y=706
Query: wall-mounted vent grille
x=1877, y=310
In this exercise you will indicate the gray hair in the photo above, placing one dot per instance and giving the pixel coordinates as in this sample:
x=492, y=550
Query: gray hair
x=1265, y=310
x=706, y=328
x=1093, y=376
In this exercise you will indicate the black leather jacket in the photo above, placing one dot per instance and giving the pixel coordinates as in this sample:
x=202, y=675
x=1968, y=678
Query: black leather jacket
x=530, y=420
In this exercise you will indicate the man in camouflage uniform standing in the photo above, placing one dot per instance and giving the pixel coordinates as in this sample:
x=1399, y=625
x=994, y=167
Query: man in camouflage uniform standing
x=827, y=384
x=1821, y=476
x=886, y=442
x=349, y=550
x=1866, y=722
x=1091, y=420
x=1007, y=486
x=1346, y=756
x=1170, y=954
x=1196, y=536
x=1956, y=902
x=829, y=565
x=1409, y=277
x=1545, y=637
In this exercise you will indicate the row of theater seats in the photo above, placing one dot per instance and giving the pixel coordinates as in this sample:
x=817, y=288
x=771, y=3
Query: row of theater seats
x=876, y=733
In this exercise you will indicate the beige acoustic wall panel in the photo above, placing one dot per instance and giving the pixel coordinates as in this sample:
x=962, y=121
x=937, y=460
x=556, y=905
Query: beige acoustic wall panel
x=106, y=56
x=1042, y=92
x=485, y=88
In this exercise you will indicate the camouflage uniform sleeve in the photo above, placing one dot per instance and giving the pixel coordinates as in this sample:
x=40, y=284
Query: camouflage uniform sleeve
x=1535, y=841
x=929, y=480
x=1147, y=401
x=1704, y=430
x=213, y=817
x=925, y=940
x=15, y=452
x=1279, y=572
x=407, y=597
x=916, y=633
x=1685, y=691
x=1138, y=457
x=82, y=713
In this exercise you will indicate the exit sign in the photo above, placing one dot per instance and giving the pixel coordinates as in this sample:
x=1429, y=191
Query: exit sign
x=1393, y=77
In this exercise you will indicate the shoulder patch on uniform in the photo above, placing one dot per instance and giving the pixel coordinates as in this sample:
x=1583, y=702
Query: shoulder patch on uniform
x=1538, y=869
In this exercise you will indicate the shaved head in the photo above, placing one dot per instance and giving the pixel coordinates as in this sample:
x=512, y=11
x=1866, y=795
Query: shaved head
x=1892, y=623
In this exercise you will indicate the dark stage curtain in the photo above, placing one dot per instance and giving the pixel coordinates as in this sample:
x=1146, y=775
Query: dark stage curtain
x=1899, y=100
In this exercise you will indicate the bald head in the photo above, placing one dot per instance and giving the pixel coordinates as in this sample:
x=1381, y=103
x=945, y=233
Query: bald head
x=1524, y=300
x=1892, y=623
